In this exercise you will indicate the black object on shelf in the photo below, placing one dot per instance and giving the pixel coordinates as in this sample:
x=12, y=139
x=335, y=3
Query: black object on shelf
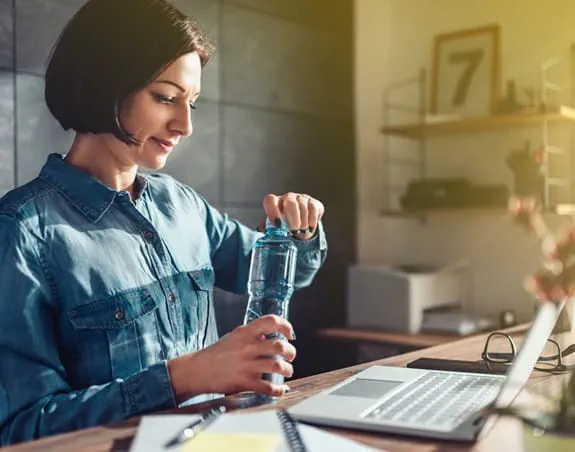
x=455, y=192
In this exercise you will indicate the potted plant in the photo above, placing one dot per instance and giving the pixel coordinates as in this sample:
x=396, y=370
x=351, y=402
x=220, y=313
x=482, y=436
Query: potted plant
x=547, y=427
x=553, y=430
x=549, y=423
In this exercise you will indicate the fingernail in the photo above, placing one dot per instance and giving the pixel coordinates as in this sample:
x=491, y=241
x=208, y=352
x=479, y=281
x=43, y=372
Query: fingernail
x=302, y=231
x=293, y=335
x=294, y=231
x=278, y=222
x=286, y=389
x=311, y=229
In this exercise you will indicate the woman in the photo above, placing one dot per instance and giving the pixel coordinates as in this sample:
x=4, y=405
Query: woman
x=106, y=309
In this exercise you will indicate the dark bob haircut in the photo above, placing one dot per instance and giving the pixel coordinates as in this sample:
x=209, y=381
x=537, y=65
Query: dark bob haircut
x=109, y=50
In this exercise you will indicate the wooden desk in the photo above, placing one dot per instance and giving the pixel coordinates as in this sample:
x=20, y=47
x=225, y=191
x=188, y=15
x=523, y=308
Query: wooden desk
x=414, y=341
x=504, y=436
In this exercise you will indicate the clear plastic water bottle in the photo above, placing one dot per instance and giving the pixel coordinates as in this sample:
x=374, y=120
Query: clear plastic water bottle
x=271, y=279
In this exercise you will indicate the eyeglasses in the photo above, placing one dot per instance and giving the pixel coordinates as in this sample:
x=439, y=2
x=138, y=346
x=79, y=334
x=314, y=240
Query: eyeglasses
x=500, y=348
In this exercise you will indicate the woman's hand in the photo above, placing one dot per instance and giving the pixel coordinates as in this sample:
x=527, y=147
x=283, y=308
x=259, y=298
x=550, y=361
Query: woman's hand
x=302, y=212
x=236, y=362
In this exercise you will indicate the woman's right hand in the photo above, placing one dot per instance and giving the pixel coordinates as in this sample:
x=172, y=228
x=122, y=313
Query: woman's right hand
x=235, y=363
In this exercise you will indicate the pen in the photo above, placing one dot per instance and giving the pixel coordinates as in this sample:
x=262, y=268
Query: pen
x=195, y=427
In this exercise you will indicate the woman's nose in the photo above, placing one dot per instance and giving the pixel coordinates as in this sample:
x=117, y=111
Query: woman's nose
x=183, y=122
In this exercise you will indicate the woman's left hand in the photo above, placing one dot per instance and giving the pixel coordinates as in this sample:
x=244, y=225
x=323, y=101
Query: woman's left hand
x=302, y=212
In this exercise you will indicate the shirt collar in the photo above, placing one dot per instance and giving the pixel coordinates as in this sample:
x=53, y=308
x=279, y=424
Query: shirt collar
x=91, y=197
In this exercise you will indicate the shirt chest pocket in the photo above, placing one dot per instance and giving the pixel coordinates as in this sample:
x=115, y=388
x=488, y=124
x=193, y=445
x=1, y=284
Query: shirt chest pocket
x=202, y=281
x=124, y=328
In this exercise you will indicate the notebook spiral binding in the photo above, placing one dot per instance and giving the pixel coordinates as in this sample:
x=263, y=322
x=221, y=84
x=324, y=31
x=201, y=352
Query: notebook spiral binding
x=291, y=433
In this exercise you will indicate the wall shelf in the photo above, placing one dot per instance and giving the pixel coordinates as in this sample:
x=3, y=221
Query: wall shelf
x=558, y=195
x=437, y=126
x=443, y=211
x=559, y=209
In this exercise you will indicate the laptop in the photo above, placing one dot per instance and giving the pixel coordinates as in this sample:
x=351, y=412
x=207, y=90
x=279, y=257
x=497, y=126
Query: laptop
x=427, y=403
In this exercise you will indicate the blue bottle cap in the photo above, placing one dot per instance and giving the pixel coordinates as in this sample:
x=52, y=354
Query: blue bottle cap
x=272, y=225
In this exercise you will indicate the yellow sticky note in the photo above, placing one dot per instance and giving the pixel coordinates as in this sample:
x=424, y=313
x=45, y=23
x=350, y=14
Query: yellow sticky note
x=237, y=442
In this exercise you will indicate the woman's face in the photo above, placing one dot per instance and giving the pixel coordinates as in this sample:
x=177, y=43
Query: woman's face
x=160, y=114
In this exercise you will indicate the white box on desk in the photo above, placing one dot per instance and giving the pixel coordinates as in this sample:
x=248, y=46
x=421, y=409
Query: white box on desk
x=394, y=298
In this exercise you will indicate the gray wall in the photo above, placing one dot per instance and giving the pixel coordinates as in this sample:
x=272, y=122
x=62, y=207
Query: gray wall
x=275, y=116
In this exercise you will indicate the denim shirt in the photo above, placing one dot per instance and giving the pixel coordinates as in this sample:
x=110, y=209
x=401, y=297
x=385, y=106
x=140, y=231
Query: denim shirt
x=97, y=292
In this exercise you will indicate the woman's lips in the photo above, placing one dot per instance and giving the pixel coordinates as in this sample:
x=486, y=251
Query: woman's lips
x=167, y=146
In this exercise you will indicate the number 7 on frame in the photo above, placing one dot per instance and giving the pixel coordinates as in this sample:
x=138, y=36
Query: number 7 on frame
x=465, y=76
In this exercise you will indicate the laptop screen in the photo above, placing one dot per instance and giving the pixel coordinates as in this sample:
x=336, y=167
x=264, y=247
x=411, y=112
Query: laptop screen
x=533, y=345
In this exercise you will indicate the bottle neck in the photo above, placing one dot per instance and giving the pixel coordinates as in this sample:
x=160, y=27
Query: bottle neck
x=274, y=232
x=278, y=232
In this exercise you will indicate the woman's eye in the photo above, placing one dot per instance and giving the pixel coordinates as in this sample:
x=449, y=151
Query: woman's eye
x=164, y=99
x=171, y=100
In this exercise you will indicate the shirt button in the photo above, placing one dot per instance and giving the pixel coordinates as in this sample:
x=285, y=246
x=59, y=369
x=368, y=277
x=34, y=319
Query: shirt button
x=148, y=235
x=119, y=315
x=171, y=298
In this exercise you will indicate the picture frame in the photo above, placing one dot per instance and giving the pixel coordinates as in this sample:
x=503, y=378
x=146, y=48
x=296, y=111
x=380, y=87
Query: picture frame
x=465, y=75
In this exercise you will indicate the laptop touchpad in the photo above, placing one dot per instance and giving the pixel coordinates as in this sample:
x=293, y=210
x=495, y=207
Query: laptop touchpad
x=362, y=387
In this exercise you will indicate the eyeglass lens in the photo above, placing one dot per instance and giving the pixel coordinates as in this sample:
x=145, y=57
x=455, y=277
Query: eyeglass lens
x=549, y=357
x=499, y=348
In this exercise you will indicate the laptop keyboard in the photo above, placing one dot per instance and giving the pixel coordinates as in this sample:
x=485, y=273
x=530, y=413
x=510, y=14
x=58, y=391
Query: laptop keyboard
x=438, y=400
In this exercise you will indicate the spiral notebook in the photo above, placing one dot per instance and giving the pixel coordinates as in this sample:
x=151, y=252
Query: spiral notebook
x=259, y=431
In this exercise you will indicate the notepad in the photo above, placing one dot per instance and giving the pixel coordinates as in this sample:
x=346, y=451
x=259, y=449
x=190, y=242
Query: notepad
x=237, y=442
x=261, y=430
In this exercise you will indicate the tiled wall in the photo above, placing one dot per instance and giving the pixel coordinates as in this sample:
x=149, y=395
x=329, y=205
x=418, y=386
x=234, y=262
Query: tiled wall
x=275, y=116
